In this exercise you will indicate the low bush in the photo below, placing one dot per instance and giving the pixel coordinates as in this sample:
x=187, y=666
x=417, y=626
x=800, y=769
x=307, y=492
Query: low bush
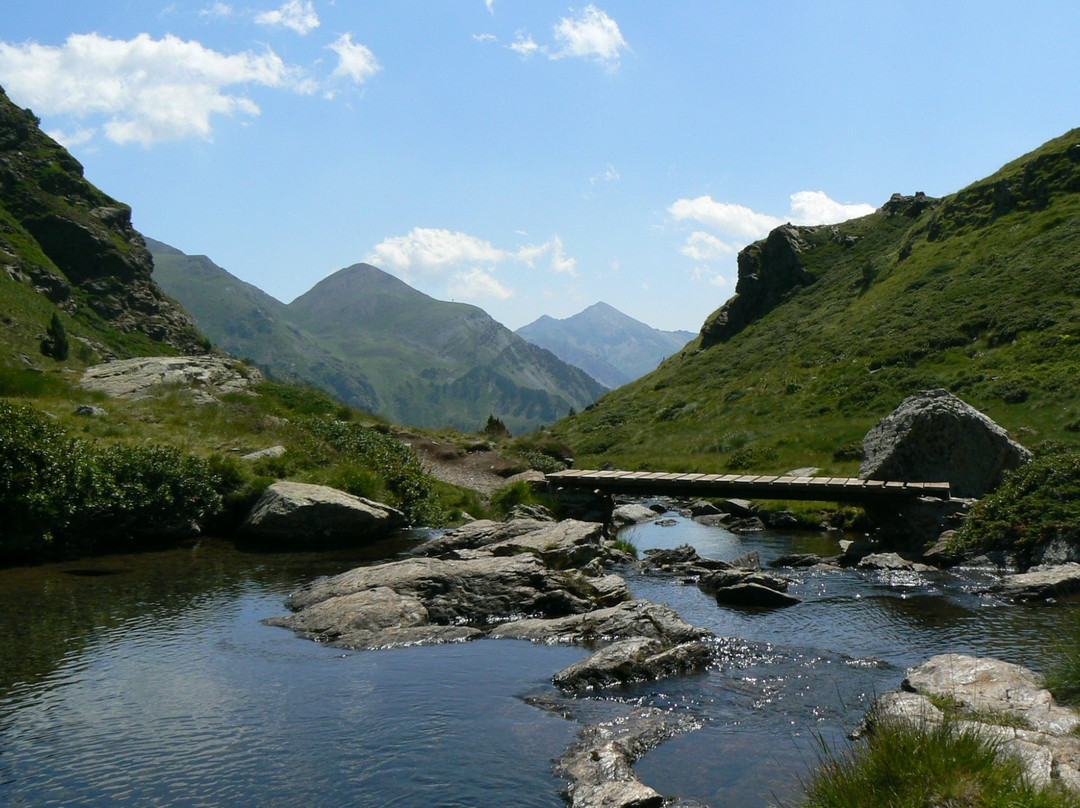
x=1034, y=505
x=59, y=493
x=371, y=462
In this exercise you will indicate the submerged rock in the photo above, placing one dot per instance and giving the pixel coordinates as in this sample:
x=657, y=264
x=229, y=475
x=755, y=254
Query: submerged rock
x=599, y=767
x=300, y=513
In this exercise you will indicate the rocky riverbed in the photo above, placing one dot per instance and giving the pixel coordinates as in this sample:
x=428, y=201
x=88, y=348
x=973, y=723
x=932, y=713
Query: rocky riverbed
x=536, y=579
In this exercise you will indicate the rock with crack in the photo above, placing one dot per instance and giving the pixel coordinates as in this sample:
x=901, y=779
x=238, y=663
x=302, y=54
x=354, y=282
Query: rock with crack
x=1041, y=583
x=478, y=534
x=428, y=600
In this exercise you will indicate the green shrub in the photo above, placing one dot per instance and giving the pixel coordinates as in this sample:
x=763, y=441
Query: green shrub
x=390, y=465
x=59, y=493
x=752, y=457
x=505, y=498
x=1034, y=504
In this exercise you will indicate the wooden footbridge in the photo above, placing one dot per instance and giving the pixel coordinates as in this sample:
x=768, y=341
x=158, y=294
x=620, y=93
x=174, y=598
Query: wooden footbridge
x=746, y=486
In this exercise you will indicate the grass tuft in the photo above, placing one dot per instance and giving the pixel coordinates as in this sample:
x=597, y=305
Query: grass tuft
x=901, y=765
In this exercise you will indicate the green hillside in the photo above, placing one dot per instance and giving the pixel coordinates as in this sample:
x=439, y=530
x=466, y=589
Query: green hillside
x=832, y=326
x=246, y=322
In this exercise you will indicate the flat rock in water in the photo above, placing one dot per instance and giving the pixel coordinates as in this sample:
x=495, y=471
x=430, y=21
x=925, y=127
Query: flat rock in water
x=476, y=591
x=634, y=618
x=599, y=767
x=1042, y=583
x=290, y=512
x=633, y=660
x=893, y=562
x=478, y=534
x=561, y=545
x=754, y=595
x=632, y=514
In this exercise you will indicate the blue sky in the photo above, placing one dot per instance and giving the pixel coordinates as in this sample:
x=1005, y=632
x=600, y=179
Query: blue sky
x=531, y=157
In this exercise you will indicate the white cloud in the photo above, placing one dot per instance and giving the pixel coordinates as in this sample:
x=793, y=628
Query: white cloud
x=735, y=221
x=355, y=61
x=485, y=38
x=592, y=34
x=218, y=10
x=70, y=140
x=610, y=174
x=815, y=207
x=525, y=46
x=737, y=225
x=147, y=90
x=295, y=14
x=476, y=284
x=702, y=246
x=433, y=252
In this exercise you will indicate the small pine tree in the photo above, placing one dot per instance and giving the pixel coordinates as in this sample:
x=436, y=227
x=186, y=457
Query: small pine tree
x=56, y=343
x=495, y=427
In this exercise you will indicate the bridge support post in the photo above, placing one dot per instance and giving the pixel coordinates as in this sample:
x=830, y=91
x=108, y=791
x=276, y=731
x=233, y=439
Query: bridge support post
x=584, y=504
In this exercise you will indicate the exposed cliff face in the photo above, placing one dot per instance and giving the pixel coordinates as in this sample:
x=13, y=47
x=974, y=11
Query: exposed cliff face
x=74, y=244
x=768, y=270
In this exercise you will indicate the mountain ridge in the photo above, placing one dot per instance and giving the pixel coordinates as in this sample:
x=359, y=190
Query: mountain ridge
x=376, y=342
x=609, y=345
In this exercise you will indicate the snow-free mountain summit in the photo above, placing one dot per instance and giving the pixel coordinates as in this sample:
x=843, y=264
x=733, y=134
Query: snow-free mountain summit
x=376, y=342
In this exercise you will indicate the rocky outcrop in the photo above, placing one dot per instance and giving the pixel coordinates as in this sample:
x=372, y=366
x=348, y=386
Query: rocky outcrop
x=85, y=236
x=632, y=514
x=302, y=515
x=432, y=596
x=768, y=271
x=1004, y=703
x=148, y=376
x=1041, y=583
x=933, y=436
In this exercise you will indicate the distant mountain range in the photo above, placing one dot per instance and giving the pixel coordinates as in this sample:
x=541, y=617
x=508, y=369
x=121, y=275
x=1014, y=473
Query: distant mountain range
x=377, y=343
x=612, y=347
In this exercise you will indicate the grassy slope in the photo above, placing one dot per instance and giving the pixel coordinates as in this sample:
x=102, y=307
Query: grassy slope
x=979, y=294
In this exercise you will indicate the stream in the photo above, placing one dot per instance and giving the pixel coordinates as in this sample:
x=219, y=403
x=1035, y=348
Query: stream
x=148, y=680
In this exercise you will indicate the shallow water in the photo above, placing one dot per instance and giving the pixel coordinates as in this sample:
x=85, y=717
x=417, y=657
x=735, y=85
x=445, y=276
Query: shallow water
x=149, y=680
